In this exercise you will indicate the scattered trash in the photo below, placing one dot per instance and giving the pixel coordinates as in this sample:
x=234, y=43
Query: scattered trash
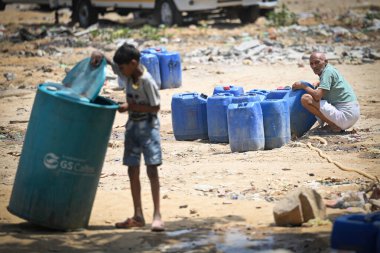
x=348, y=199
x=316, y=223
x=9, y=76
x=203, y=187
x=26, y=35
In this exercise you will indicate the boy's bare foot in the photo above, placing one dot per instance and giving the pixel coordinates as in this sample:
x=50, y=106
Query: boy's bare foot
x=131, y=223
x=158, y=225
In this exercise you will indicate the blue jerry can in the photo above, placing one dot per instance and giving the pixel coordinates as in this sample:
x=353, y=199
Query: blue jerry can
x=235, y=90
x=301, y=120
x=189, y=116
x=154, y=50
x=170, y=70
x=262, y=94
x=276, y=119
x=251, y=97
x=217, y=106
x=150, y=61
x=357, y=232
x=245, y=127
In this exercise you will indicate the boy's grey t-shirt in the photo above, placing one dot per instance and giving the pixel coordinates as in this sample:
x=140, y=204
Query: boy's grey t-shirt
x=143, y=92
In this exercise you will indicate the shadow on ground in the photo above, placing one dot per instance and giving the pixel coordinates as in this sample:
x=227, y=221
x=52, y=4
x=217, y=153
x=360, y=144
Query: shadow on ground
x=195, y=235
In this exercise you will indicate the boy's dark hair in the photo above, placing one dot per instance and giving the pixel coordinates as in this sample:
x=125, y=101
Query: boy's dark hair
x=125, y=54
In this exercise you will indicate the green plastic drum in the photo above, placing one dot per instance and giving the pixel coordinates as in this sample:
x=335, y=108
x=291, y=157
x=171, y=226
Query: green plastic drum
x=62, y=158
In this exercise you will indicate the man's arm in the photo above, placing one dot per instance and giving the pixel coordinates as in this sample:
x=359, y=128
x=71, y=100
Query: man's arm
x=317, y=94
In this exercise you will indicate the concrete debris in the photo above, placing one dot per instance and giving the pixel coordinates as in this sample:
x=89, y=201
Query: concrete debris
x=288, y=44
x=299, y=206
x=374, y=55
x=340, y=31
x=300, y=42
x=247, y=45
x=88, y=30
x=272, y=54
x=9, y=76
x=375, y=26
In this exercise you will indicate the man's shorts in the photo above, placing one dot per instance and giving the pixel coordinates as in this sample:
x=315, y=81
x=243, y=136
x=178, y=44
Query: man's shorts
x=142, y=137
x=344, y=115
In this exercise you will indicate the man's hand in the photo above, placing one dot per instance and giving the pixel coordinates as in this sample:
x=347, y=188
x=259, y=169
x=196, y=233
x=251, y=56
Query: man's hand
x=96, y=58
x=123, y=107
x=298, y=86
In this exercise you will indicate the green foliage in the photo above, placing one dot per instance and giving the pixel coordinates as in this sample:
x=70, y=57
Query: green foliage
x=110, y=35
x=146, y=32
x=150, y=33
x=120, y=33
x=282, y=17
x=372, y=15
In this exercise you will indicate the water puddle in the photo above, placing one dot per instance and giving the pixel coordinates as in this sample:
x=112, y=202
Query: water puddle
x=229, y=241
x=178, y=232
x=236, y=241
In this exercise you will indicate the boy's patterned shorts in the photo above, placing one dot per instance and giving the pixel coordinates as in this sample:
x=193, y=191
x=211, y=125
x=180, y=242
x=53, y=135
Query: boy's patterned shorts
x=142, y=137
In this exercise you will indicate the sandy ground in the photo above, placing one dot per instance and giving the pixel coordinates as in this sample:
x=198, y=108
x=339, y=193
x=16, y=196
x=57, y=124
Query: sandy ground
x=235, y=214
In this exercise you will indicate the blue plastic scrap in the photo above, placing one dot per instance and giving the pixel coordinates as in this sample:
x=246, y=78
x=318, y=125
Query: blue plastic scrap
x=86, y=80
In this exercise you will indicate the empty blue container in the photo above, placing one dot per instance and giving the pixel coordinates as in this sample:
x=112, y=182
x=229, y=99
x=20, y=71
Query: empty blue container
x=170, y=70
x=189, y=116
x=245, y=127
x=217, y=106
x=357, y=232
x=61, y=159
x=235, y=90
x=276, y=120
x=150, y=61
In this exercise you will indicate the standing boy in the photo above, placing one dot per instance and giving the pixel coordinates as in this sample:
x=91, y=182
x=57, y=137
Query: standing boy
x=142, y=134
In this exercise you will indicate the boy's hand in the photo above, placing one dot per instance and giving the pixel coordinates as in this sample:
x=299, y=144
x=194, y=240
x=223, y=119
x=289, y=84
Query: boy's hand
x=96, y=58
x=123, y=107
